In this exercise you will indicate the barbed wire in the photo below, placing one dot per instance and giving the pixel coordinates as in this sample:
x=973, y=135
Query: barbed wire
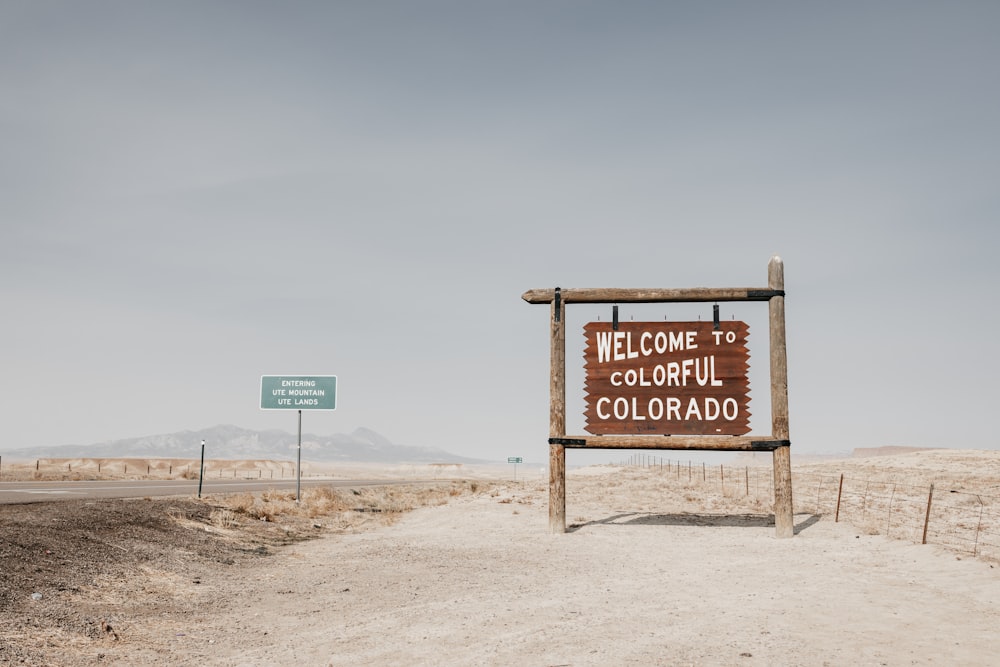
x=961, y=520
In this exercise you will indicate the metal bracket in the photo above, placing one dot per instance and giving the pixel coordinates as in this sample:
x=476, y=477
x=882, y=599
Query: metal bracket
x=558, y=299
x=614, y=317
x=568, y=441
x=764, y=293
x=715, y=317
x=769, y=445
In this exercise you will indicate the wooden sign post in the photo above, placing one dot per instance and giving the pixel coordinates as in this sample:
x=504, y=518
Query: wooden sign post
x=674, y=385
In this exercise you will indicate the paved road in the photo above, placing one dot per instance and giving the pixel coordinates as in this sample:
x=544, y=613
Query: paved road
x=33, y=492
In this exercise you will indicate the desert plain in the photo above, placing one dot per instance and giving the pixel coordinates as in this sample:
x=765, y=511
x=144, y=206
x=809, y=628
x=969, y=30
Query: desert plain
x=664, y=562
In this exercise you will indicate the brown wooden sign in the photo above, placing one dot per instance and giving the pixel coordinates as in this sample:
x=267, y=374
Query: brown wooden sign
x=667, y=378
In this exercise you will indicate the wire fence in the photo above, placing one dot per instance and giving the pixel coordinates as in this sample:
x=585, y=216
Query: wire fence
x=961, y=520
x=83, y=469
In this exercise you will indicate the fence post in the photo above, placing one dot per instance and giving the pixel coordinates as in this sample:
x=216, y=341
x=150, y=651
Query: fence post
x=888, y=519
x=975, y=547
x=722, y=478
x=864, y=501
x=840, y=492
x=747, y=473
x=927, y=516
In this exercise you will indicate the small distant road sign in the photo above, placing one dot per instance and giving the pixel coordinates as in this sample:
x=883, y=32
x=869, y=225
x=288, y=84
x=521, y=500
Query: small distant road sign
x=515, y=459
x=298, y=392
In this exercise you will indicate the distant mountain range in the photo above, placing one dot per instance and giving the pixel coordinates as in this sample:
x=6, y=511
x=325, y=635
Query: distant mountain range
x=233, y=442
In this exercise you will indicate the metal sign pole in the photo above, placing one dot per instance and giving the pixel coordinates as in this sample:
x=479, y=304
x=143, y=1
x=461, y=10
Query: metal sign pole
x=201, y=475
x=291, y=392
x=298, y=479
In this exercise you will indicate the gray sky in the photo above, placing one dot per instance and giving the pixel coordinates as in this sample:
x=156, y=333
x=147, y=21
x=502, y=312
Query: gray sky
x=193, y=194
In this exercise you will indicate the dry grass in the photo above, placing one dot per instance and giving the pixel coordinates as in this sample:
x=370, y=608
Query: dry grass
x=78, y=469
x=886, y=495
x=342, y=508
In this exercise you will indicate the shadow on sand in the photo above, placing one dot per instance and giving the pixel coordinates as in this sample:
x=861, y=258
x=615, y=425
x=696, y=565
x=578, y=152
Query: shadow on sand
x=696, y=519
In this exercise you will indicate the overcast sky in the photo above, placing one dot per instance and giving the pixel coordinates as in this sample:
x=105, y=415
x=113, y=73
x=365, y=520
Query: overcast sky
x=195, y=194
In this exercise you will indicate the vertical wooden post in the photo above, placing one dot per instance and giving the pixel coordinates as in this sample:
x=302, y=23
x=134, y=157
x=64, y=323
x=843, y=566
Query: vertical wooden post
x=557, y=417
x=784, y=525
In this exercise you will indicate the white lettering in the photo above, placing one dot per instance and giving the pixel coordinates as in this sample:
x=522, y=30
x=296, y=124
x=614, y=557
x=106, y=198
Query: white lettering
x=657, y=408
x=686, y=371
x=603, y=346
x=701, y=379
x=673, y=374
x=693, y=410
x=715, y=382
x=646, y=351
x=619, y=337
x=600, y=414
x=632, y=354
x=660, y=343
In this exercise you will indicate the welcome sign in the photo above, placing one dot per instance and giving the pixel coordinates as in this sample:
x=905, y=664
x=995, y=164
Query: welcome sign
x=667, y=378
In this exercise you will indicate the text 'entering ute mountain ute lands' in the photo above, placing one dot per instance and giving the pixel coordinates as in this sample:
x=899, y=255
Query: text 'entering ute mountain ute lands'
x=667, y=378
x=281, y=392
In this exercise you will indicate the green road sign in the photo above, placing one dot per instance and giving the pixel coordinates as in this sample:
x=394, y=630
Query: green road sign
x=298, y=392
x=515, y=459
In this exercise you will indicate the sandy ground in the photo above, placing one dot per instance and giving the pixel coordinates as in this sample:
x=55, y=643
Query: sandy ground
x=480, y=581
x=649, y=574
